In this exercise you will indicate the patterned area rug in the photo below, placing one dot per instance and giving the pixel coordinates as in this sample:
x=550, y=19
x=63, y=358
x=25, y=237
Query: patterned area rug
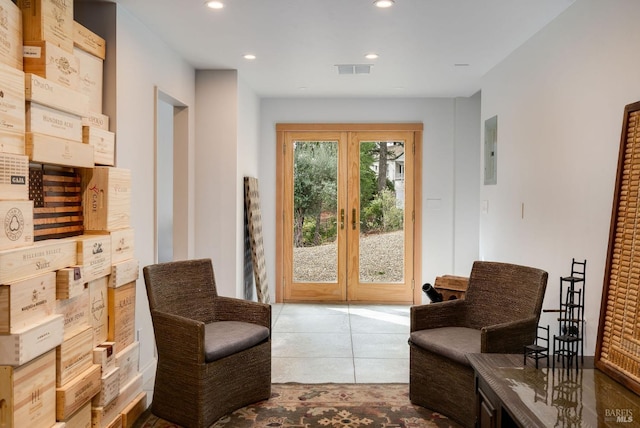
x=326, y=405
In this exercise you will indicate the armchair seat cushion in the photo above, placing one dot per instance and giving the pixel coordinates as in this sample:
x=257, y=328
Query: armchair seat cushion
x=224, y=338
x=450, y=342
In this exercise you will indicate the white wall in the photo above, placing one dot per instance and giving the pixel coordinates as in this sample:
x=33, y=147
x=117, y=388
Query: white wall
x=248, y=165
x=559, y=100
x=216, y=171
x=466, y=227
x=226, y=150
x=141, y=62
x=448, y=146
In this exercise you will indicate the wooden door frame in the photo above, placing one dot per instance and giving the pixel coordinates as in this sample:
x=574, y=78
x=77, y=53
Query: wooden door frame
x=416, y=128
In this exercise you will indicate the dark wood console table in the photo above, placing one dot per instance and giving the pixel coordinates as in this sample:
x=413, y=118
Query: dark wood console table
x=509, y=394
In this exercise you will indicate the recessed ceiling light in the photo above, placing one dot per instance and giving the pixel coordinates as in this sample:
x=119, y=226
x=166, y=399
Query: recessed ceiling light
x=371, y=56
x=383, y=3
x=215, y=4
x=249, y=56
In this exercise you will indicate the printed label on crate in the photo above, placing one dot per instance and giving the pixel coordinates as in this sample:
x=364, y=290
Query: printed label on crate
x=75, y=312
x=27, y=393
x=45, y=256
x=24, y=345
x=10, y=34
x=49, y=121
x=54, y=95
x=12, y=96
x=13, y=176
x=26, y=302
x=17, y=224
x=97, y=120
x=32, y=52
x=99, y=310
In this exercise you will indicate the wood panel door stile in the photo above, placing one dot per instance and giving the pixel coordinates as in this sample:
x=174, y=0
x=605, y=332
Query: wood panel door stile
x=347, y=282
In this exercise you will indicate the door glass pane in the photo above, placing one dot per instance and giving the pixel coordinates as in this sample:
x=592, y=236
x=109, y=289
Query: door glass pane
x=315, y=250
x=382, y=211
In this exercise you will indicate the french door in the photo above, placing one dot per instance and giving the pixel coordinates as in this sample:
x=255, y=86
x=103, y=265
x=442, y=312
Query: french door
x=347, y=197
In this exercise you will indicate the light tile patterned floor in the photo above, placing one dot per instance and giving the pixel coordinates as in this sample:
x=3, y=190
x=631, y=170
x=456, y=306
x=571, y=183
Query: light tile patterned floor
x=343, y=343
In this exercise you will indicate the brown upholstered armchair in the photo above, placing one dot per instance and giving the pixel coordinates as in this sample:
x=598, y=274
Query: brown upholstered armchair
x=214, y=353
x=499, y=314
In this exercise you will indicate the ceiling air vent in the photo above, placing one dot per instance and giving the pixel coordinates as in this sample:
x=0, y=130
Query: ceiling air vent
x=354, y=68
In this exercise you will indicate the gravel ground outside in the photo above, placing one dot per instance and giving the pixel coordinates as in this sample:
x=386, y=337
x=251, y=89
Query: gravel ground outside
x=381, y=260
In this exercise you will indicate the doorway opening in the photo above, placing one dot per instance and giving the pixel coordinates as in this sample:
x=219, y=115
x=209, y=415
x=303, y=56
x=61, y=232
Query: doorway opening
x=348, y=196
x=171, y=178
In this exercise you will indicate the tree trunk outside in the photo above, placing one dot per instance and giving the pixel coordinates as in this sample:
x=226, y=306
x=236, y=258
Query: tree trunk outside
x=382, y=166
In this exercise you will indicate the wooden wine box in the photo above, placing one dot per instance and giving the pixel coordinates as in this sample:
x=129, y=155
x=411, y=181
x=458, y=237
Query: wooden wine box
x=124, y=272
x=122, y=315
x=80, y=419
x=91, y=78
x=57, y=202
x=17, y=222
x=109, y=389
x=122, y=244
x=94, y=254
x=97, y=120
x=14, y=176
x=54, y=95
x=127, y=361
x=133, y=411
x=88, y=41
x=115, y=423
x=24, y=345
x=103, y=143
x=106, y=198
x=451, y=287
x=50, y=20
x=102, y=416
x=28, y=393
x=56, y=123
x=58, y=151
x=12, y=118
x=11, y=142
x=26, y=302
x=105, y=355
x=41, y=257
x=99, y=310
x=70, y=282
x=77, y=392
x=76, y=312
x=74, y=356
x=52, y=63
x=11, y=35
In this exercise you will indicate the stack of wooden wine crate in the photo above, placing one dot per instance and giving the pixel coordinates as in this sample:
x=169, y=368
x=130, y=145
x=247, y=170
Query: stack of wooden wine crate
x=68, y=346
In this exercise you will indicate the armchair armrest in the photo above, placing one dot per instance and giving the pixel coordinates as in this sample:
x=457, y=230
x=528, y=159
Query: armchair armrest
x=233, y=309
x=178, y=338
x=435, y=315
x=509, y=337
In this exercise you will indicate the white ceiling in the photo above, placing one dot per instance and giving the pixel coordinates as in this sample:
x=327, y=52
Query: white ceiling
x=299, y=42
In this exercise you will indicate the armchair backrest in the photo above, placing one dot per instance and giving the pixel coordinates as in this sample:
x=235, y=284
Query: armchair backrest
x=503, y=292
x=185, y=288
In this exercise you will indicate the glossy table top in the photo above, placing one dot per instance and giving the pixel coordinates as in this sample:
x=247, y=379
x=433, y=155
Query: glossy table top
x=557, y=397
